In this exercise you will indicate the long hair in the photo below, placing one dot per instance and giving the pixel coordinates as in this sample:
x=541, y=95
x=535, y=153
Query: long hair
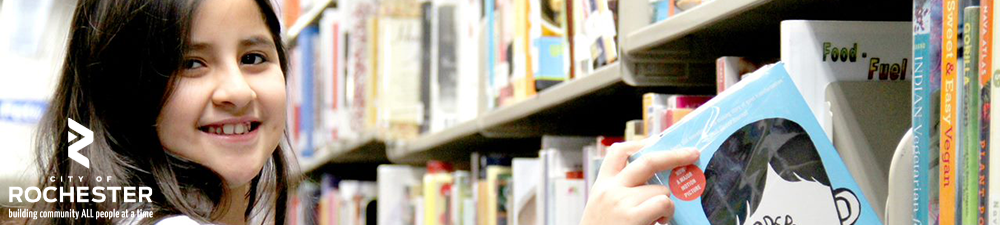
x=121, y=65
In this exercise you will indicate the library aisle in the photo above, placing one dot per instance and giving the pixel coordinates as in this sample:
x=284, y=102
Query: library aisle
x=501, y=112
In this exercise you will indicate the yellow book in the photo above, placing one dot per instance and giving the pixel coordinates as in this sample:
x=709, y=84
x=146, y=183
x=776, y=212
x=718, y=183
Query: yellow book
x=494, y=182
x=949, y=118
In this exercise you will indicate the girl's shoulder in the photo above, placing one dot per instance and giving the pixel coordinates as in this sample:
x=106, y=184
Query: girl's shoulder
x=177, y=220
x=169, y=220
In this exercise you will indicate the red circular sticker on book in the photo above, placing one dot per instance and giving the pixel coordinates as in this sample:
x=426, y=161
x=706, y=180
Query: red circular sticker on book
x=687, y=182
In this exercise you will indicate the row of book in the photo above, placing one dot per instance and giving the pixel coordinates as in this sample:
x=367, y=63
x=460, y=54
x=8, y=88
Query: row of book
x=664, y=9
x=403, y=68
x=955, y=74
x=498, y=188
x=819, y=56
x=333, y=202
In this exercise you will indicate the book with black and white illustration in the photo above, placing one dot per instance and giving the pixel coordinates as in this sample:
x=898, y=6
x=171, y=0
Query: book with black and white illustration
x=764, y=160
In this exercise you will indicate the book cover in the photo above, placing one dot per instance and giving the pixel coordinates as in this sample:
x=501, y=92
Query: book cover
x=984, y=67
x=547, y=43
x=764, y=160
x=970, y=119
x=927, y=27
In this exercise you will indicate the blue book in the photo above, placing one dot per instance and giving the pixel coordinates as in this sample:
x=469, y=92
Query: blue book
x=307, y=44
x=927, y=30
x=764, y=160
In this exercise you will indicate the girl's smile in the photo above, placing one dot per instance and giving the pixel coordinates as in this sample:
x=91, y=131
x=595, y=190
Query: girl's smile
x=236, y=132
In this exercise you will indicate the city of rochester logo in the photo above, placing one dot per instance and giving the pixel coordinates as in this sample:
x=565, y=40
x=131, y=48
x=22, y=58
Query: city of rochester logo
x=78, y=188
x=79, y=137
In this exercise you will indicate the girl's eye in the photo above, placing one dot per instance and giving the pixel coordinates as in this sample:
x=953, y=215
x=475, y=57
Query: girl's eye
x=193, y=64
x=252, y=59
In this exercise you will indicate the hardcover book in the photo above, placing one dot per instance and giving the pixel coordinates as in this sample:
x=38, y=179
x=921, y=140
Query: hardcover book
x=764, y=160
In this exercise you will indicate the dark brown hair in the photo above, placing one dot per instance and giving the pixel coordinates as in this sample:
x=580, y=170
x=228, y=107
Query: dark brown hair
x=121, y=65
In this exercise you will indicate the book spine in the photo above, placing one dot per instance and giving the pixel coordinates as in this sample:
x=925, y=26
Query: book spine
x=426, y=61
x=491, y=54
x=948, y=120
x=986, y=125
x=307, y=46
x=985, y=62
x=970, y=122
x=447, y=66
x=720, y=75
x=925, y=53
x=647, y=106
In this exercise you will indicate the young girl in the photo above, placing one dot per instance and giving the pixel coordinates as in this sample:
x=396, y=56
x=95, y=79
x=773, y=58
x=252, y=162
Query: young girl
x=187, y=97
x=184, y=97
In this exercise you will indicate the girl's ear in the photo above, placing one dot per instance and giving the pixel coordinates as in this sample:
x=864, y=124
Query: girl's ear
x=848, y=206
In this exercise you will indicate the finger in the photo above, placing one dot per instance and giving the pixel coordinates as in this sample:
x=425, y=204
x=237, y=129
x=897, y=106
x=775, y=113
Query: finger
x=616, y=158
x=654, y=209
x=640, y=170
x=645, y=192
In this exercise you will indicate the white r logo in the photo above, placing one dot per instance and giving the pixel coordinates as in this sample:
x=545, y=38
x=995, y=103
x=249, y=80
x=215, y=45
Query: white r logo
x=86, y=137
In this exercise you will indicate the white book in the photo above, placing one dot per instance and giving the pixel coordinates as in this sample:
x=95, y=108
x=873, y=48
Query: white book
x=331, y=76
x=816, y=53
x=569, y=200
x=563, y=154
x=394, y=190
x=994, y=140
x=541, y=193
x=525, y=175
x=399, y=73
x=468, y=60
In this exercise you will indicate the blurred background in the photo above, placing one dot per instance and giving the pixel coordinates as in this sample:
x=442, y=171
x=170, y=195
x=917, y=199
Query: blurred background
x=33, y=35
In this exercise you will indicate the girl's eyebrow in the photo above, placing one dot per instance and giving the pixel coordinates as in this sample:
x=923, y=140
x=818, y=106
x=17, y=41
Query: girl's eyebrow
x=257, y=40
x=253, y=41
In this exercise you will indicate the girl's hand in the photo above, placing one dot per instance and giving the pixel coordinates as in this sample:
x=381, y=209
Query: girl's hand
x=621, y=196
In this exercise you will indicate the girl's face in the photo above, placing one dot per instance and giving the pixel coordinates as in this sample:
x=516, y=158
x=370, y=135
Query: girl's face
x=227, y=112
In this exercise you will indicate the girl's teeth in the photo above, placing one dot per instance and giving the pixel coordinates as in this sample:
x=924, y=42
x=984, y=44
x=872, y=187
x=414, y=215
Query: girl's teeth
x=230, y=129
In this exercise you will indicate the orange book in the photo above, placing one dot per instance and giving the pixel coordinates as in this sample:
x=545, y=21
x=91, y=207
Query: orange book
x=291, y=11
x=949, y=118
x=985, y=66
x=675, y=115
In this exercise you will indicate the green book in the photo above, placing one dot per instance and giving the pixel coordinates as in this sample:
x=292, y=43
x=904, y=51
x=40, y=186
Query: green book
x=970, y=118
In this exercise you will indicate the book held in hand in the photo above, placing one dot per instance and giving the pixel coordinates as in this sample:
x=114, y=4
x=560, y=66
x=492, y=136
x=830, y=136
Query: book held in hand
x=764, y=160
